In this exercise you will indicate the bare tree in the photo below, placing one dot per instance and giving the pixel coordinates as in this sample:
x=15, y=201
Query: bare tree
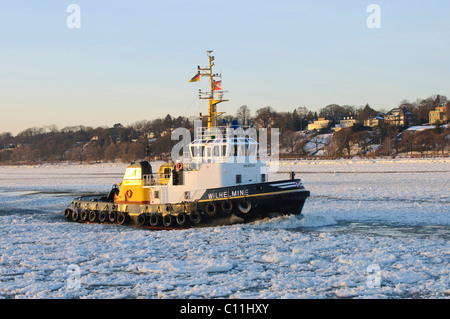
x=243, y=115
x=265, y=117
x=361, y=138
x=340, y=142
x=300, y=147
x=289, y=140
x=407, y=142
x=336, y=112
x=365, y=113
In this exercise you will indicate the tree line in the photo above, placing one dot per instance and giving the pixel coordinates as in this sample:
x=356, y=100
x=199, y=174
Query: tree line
x=142, y=139
x=151, y=138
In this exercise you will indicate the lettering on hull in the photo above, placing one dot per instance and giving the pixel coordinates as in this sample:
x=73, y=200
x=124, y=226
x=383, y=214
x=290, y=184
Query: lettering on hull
x=228, y=194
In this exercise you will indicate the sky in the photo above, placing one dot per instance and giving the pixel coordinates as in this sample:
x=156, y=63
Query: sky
x=131, y=60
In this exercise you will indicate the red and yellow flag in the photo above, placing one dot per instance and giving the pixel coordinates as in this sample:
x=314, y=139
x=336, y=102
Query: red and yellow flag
x=217, y=85
x=196, y=78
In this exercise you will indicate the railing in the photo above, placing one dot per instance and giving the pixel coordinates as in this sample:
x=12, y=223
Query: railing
x=203, y=133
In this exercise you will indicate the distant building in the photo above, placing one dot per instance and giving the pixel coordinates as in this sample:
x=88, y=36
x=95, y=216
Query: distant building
x=345, y=122
x=373, y=121
x=318, y=124
x=439, y=114
x=400, y=116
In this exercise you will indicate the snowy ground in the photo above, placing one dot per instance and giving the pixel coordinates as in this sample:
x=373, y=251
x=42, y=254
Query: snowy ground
x=391, y=215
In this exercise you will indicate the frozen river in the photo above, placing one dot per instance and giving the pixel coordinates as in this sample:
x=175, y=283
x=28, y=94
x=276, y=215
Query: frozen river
x=371, y=229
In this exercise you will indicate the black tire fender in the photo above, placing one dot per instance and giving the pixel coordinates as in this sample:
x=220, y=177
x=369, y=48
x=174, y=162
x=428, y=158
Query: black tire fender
x=244, y=206
x=102, y=216
x=154, y=219
x=93, y=216
x=181, y=219
x=121, y=218
x=195, y=217
x=226, y=206
x=141, y=219
x=75, y=215
x=112, y=216
x=67, y=213
x=84, y=214
x=167, y=220
x=211, y=209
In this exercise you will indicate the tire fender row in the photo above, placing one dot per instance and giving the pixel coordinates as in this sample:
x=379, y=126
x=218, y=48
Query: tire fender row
x=165, y=217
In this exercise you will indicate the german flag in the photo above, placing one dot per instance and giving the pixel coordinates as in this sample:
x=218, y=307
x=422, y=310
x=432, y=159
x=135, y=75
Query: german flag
x=196, y=78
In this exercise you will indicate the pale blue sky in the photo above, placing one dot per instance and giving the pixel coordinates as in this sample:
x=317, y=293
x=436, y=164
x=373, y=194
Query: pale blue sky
x=131, y=60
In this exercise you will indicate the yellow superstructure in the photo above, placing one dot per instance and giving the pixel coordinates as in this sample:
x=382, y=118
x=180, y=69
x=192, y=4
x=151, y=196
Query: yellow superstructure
x=132, y=186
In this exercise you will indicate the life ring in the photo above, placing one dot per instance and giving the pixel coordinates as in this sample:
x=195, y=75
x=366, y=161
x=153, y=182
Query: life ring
x=211, y=209
x=92, y=216
x=227, y=206
x=154, y=219
x=179, y=166
x=244, y=206
x=128, y=193
x=167, y=220
x=121, y=218
x=195, y=217
x=141, y=219
x=181, y=219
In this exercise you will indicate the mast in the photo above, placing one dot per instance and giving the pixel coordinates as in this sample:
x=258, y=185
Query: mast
x=215, y=90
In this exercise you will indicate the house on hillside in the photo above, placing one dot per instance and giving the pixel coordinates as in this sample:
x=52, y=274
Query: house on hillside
x=318, y=124
x=373, y=121
x=400, y=116
x=440, y=114
x=345, y=122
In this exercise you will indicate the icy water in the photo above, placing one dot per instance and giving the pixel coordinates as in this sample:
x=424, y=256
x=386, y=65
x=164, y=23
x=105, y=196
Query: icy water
x=371, y=229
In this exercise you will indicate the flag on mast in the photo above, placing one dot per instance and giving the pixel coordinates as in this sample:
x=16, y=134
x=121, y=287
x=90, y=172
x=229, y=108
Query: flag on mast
x=217, y=85
x=196, y=78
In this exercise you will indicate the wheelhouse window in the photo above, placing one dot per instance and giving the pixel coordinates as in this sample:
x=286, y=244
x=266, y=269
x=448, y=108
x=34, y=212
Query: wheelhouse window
x=167, y=172
x=133, y=173
x=252, y=150
x=233, y=148
x=216, y=151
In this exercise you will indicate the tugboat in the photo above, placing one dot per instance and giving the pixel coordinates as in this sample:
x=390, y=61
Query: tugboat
x=220, y=182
